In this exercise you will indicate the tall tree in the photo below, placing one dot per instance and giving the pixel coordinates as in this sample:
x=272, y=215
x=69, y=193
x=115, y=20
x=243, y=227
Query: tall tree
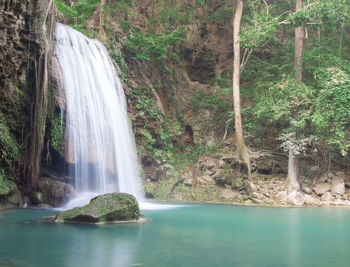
x=293, y=159
x=241, y=147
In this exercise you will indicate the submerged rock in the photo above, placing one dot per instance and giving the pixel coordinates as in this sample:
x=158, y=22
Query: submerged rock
x=107, y=208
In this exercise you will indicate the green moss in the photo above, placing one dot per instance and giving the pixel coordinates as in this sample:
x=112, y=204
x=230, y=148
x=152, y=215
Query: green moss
x=105, y=208
x=57, y=133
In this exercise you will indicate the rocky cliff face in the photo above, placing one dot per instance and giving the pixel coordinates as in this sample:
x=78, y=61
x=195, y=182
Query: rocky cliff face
x=25, y=30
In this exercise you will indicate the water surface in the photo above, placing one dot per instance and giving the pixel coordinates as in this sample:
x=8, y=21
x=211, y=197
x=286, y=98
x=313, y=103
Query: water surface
x=190, y=235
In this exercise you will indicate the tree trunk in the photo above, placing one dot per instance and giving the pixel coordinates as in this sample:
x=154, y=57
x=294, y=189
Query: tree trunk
x=241, y=147
x=293, y=172
x=298, y=50
x=293, y=161
x=101, y=30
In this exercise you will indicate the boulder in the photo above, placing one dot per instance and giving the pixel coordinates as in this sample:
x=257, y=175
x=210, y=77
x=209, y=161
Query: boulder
x=228, y=194
x=322, y=188
x=54, y=192
x=306, y=190
x=188, y=181
x=311, y=201
x=107, y=208
x=206, y=179
x=326, y=177
x=10, y=197
x=258, y=196
x=327, y=197
x=206, y=164
x=338, y=185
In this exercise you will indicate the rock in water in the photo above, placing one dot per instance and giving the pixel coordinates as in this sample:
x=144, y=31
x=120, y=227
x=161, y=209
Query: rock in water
x=107, y=208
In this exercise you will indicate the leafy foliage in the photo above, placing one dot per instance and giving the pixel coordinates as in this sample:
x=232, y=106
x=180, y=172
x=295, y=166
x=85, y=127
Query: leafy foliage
x=77, y=14
x=332, y=107
x=9, y=149
x=57, y=133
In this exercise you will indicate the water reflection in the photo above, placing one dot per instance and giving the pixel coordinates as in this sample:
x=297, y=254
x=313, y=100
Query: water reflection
x=107, y=245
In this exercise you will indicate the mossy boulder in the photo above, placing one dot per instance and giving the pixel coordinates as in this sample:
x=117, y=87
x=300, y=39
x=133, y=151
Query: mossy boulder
x=10, y=197
x=107, y=208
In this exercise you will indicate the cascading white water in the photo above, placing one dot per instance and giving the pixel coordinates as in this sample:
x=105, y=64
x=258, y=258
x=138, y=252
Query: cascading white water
x=99, y=142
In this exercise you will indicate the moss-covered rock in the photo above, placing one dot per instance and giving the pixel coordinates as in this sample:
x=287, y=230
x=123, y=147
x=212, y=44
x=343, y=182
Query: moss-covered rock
x=10, y=197
x=107, y=208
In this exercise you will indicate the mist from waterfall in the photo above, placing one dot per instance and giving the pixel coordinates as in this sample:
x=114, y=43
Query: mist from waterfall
x=99, y=143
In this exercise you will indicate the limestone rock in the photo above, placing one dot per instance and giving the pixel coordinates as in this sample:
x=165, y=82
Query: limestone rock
x=107, y=208
x=306, y=190
x=322, y=188
x=261, y=183
x=258, y=196
x=54, y=192
x=206, y=179
x=223, y=164
x=228, y=194
x=327, y=197
x=326, y=177
x=311, y=201
x=282, y=195
x=188, y=181
x=206, y=164
x=296, y=198
x=210, y=172
x=338, y=185
x=338, y=202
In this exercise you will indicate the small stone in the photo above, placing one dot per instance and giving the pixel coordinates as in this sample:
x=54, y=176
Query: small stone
x=228, y=194
x=322, y=188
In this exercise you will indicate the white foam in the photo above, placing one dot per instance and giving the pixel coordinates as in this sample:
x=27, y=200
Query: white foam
x=157, y=206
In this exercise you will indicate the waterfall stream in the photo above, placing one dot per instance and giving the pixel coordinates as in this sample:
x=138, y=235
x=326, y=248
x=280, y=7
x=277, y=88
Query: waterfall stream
x=99, y=142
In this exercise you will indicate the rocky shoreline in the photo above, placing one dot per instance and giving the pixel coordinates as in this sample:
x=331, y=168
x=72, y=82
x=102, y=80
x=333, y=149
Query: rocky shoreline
x=223, y=179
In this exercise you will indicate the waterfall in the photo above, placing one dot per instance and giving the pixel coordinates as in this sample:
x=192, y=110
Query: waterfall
x=99, y=143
